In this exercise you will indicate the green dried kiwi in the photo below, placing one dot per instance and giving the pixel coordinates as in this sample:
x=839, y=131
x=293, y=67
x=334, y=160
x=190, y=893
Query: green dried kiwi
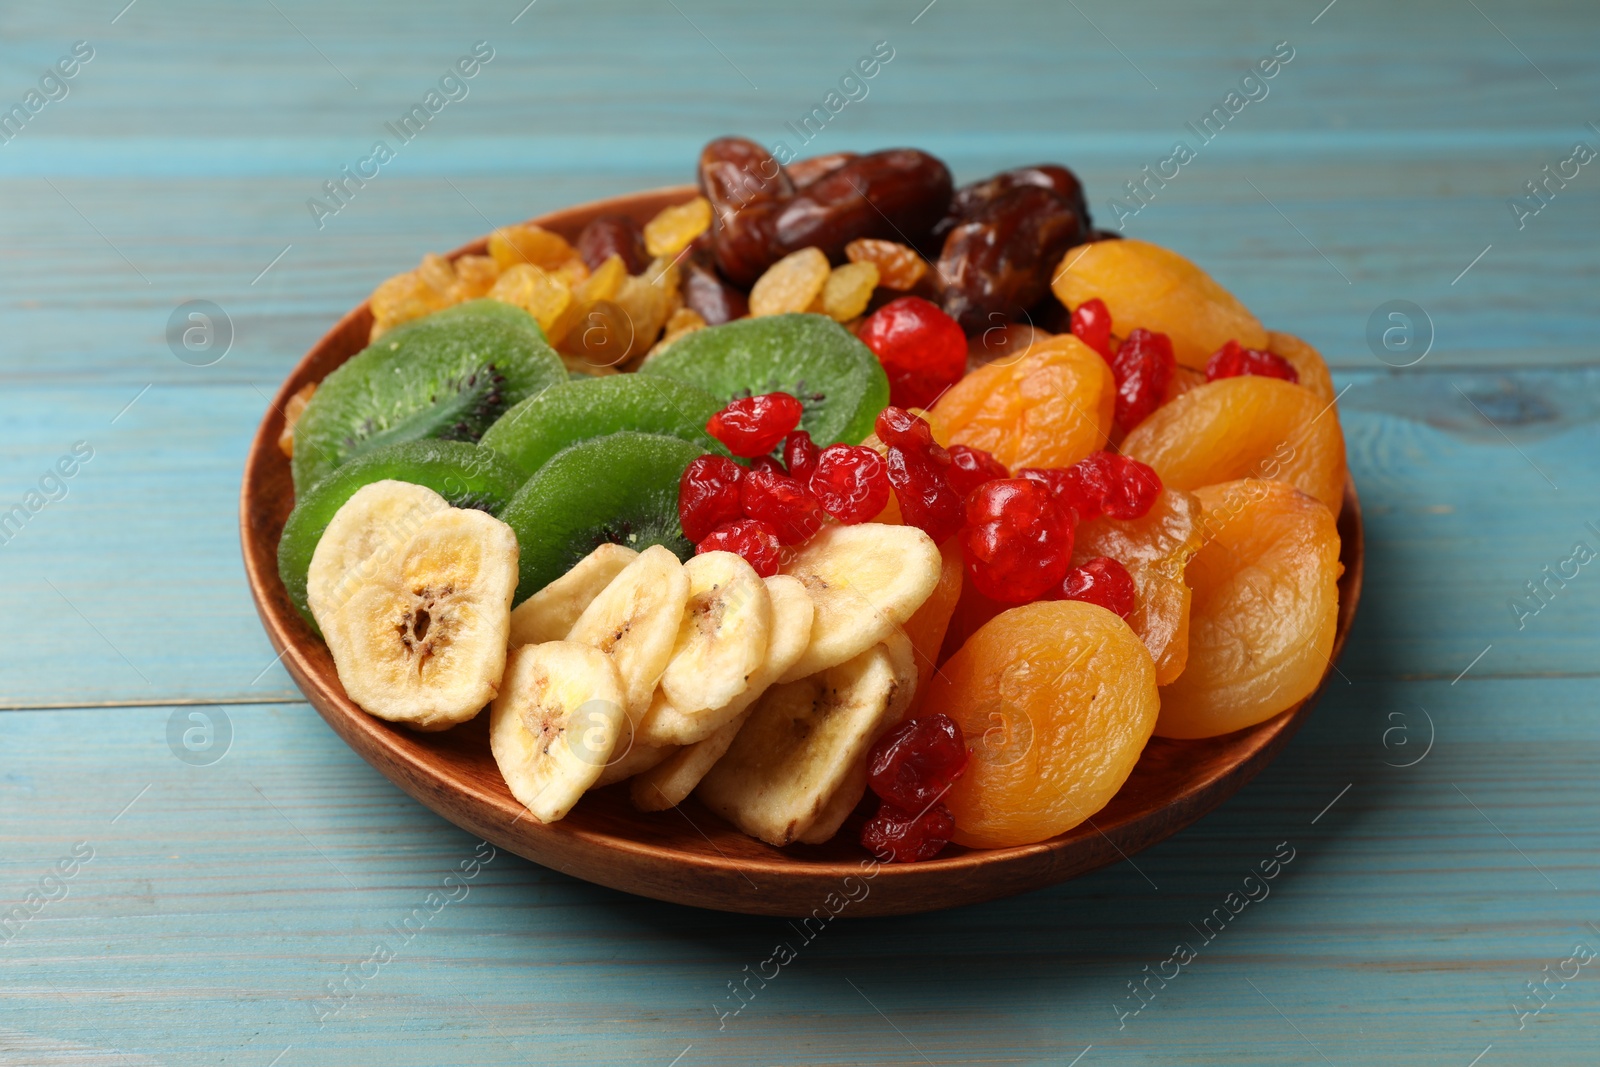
x=838, y=380
x=542, y=425
x=448, y=376
x=464, y=474
x=621, y=488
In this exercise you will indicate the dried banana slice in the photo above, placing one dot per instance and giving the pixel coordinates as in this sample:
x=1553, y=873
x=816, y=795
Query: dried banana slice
x=788, y=634
x=866, y=581
x=367, y=534
x=722, y=639
x=421, y=638
x=548, y=615
x=635, y=621
x=555, y=724
x=799, y=747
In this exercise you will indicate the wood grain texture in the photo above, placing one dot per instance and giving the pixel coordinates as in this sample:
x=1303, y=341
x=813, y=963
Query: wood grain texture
x=211, y=919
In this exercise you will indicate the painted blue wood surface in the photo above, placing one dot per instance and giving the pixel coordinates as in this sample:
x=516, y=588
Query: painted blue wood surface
x=221, y=900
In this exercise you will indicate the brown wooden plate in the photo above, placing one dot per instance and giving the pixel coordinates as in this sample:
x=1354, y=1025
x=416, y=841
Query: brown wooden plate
x=689, y=855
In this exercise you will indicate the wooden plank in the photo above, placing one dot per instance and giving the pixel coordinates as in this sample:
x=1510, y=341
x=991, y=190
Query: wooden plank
x=220, y=904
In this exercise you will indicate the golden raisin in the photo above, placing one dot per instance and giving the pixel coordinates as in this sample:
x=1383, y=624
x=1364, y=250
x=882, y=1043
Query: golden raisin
x=604, y=282
x=673, y=228
x=790, y=284
x=848, y=289
x=601, y=340
x=291, y=415
x=899, y=267
x=401, y=299
x=511, y=245
x=682, y=321
x=475, y=276
x=540, y=293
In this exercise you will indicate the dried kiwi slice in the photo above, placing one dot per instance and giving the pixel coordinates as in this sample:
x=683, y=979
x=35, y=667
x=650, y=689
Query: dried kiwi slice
x=465, y=475
x=836, y=377
x=449, y=376
x=621, y=488
x=542, y=425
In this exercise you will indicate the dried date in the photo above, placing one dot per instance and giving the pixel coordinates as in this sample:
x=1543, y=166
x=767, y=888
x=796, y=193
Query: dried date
x=997, y=263
x=608, y=235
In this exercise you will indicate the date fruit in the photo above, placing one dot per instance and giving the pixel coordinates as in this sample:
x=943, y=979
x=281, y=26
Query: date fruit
x=997, y=263
x=608, y=235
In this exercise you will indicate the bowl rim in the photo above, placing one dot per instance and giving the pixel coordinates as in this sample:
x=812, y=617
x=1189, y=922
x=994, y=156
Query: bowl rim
x=634, y=863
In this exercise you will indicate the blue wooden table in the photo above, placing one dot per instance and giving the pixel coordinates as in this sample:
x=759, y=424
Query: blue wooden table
x=200, y=864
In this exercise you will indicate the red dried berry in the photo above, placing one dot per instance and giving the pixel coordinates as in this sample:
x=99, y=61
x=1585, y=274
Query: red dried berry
x=897, y=836
x=926, y=498
x=851, y=482
x=1134, y=490
x=1102, y=483
x=971, y=467
x=1233, y=360
x=1017, y=542
x=899, y=428
x=782, y=503
x=1143, y=367
x=800, y=455
x=767, y=463
x=1102, y=581
x=753, y=425
x=1091, y=324
x=750, y=538
x=923, y=350
x=912, y=765
x=708, y=495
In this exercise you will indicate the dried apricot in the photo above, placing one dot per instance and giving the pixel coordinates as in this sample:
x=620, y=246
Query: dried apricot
x=538, y=292
x=1247, y=427
x=927, y=625
x=1056, y=700
x=848, y=290
x=790, y=284
x=1156, y=288
x=1265, y=608
x=1154, y=548
x=674, y=227
x=899, y=266
x=511, y=245
x=1049, y=407
x=1306, y=361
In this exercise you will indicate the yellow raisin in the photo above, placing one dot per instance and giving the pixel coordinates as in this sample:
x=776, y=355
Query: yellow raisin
x=291, y=415
x=646, y=308
x=438, y=273
x=538, y=292
x=847, y=290
x=511, y=245
x=574, y=272
x=899, y=267
x=605, y=281
x=601, y=341
x=673, y=228
x=401, y=299
x=682, y=321
x=790, y=284
x=475, y=276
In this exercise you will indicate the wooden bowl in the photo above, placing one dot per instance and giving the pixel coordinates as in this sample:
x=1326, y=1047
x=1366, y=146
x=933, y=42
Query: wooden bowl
x=689, y=855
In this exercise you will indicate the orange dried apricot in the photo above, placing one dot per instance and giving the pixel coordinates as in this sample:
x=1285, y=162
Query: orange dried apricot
x=1306, y=361
x=511, y=245
x=927, y=625
x=1246, y=427
x=1155, y=549
x=790, y=284
x=1265, y=608
x=674, y=227
x=1056, y=699
x=848, y=290
x=899, y=266
x=1155, y=288
x=1049, y=407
